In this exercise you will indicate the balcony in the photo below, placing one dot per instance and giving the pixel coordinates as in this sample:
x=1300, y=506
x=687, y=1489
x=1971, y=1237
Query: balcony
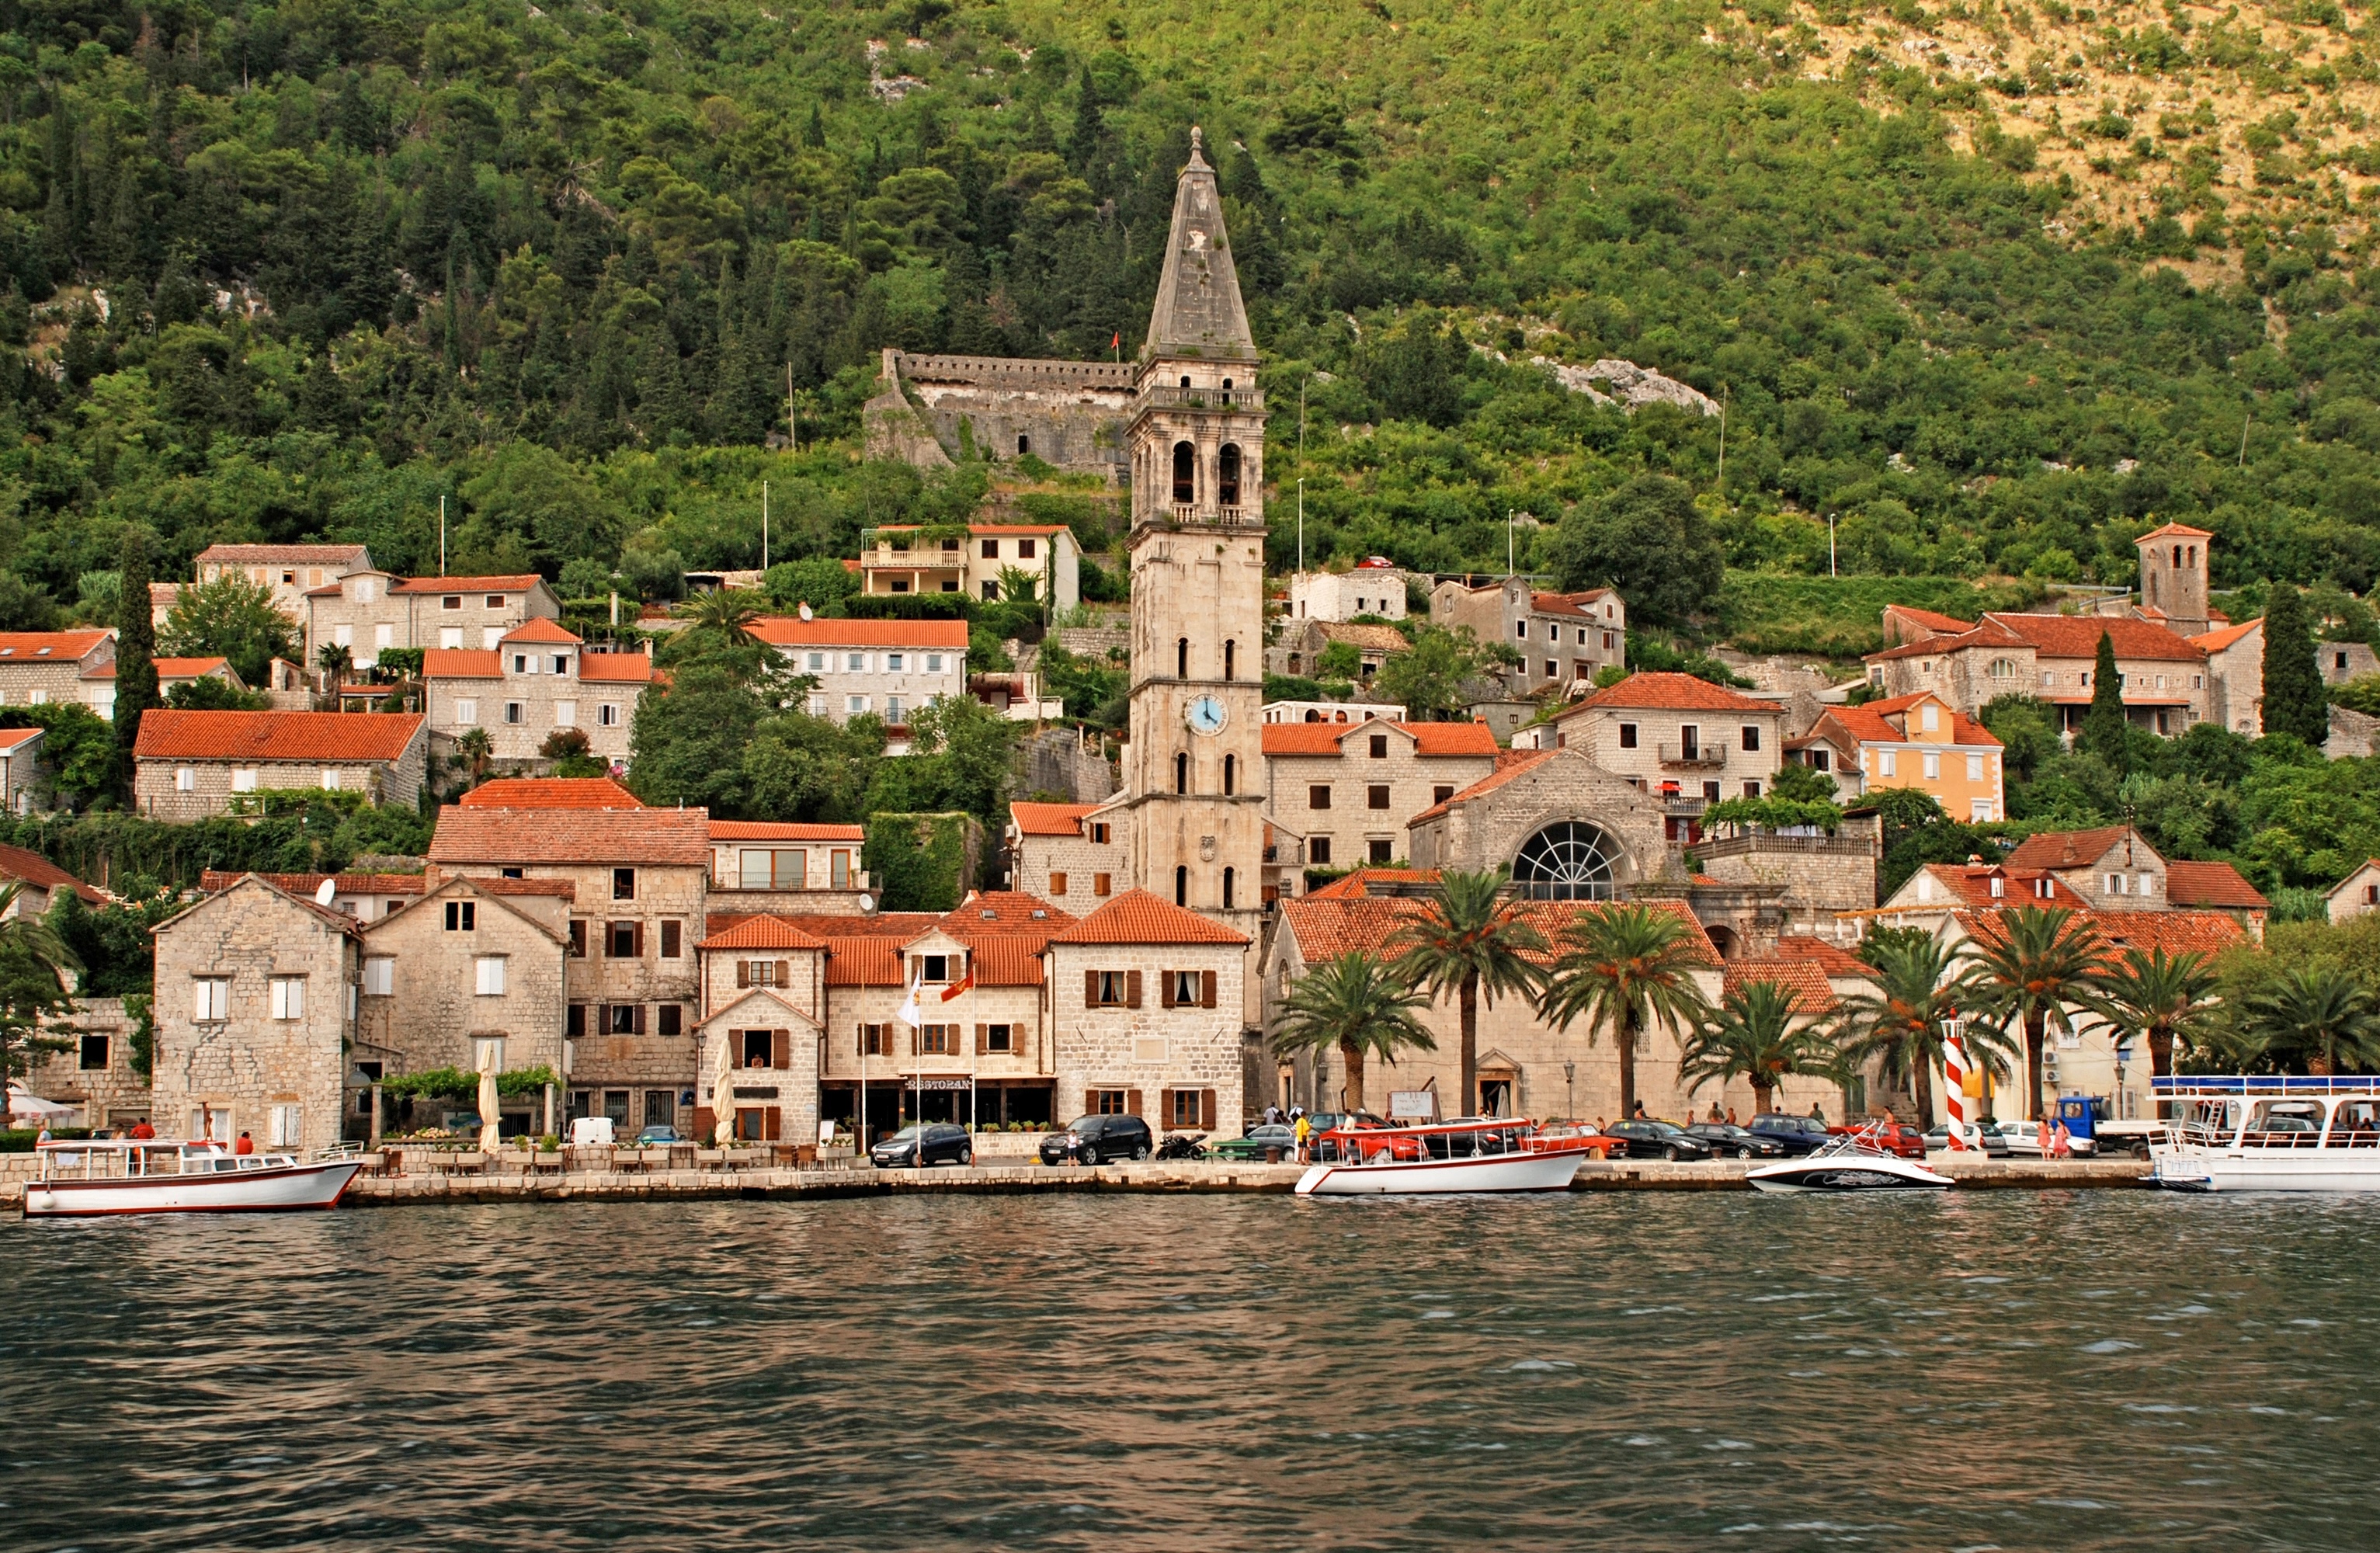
x=916, y=560
x=1192, y=514
x=1177, y=398
x=1692, y=756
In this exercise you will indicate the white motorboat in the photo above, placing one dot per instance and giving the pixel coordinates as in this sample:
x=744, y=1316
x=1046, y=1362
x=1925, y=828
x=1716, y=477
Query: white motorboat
x=1853, y=1162
x=2268, y=1134
x=1471, y=1155
x=85, y=1178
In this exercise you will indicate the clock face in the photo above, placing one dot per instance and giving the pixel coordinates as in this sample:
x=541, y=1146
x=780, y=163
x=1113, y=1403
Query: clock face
x=1205, y=715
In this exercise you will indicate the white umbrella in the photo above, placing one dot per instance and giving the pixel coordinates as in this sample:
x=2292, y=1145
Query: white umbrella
x=24, y=1102
x=489, y=1119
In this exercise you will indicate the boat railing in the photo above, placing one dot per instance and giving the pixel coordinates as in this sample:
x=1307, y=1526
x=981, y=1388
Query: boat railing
x=132, y=1158
x=2293, y=1084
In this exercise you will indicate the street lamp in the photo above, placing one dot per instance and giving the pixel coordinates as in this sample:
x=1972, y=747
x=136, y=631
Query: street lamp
x=1570, y=1086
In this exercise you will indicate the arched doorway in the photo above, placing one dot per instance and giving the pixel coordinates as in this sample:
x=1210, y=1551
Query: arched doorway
x=1569, y=860
x=1723, y=939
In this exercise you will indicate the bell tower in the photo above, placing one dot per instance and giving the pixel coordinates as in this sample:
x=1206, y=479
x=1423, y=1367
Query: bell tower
x=1193, y=768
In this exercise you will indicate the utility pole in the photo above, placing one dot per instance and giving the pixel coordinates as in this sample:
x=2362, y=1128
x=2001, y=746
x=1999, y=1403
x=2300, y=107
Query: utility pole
x=1722, y=443
x=1508, y=542
x=764, y=525
x=1300, y=470
x=793, y=429
x=1830, y=545
x=442, y=533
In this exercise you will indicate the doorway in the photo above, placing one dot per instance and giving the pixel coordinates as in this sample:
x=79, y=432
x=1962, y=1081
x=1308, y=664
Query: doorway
x=1496, y=1094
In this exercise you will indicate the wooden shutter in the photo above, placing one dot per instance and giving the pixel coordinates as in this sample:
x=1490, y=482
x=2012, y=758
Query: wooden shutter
x=1090, y=1102
x=743, y=972
x=780, y=1048
x=1090, y=989
x=1132, y=994
x=640, y=1018
x=1165, y=988
x=1132, y=1097
x=784, y=973
x=1206, y=1099
x=1164, y=1108
x=982, y=1039
x=602, y=1019
x=1206, y=990
x=917, y=1034
x=771, y=1124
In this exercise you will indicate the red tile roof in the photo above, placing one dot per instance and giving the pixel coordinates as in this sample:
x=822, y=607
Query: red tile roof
x=2216, y=641
x=335, y=737
x=617, y=668
x=1973, y=883
x=2067, y=849
x=52, y=646
x=211, y=880
x=984, y=530
x=2059, y=636
x=1569, y=603
x=551, y=793
x=1432, y=740
x=1833, y=959
x=1137, y=917
x=550, y=836
x=496, y=884
x=520, y=583
x=1804, y=979
x=13, y=739
x=762, y=933
x=773, y=830
x=1871, y=723
x=462, y=663
x=2211, y=886
x=286, y=554
x=169, y=668
x=1944, y=624
x=1328, y=927
x=2176, y=932
x=2175, y=531
x=899, y=927
x=992, y=912
x=43, y=874
x=539, y=630
x=863, y=961
x=1049, y=819
x=1663, y=692
x=791, y=631
x=1357, y=885
x=1510, y=764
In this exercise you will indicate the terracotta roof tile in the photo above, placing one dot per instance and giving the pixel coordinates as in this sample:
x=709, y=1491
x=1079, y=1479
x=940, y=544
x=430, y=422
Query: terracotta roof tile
x=1506, y=771
x=762, y=933
x=47, y=646
x=775, y=830
x=2065, y=849
x=1049, y=819
x=1010, y=961
x=2176, y=531
x=13, y=739
x=1805, y=979
x=948, y=636
x=898, y=926
x=997, y=912
x=2176, y=932
x=551, y=793
x=462, y=663
x=1569, y=603
x=539, y=631
x=617, y=668
x=2211, y=885
x=336, y=737
x=517, y=583
x=168, y=668
x=284, y=555
x=1947, y=624
x=1833, y=959
x=863, y=961
x=16, y=862
x=1357, y=885
x=1670, y=692
x=1973, y=883
x=2216, y=641
x=212, y=880
x=1328, y=927
x=1137, y=917
x=1430, y=740
x=622, y=837
x=1871, y=722
x=2062, y=636
x=984, y=530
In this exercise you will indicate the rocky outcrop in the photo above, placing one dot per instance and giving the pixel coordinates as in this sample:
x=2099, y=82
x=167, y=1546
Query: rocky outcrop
x=1614, y=382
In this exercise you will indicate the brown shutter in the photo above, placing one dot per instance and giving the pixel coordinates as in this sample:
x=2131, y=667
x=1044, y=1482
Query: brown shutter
x=1164, y=1108
x=640, y=1018
x=771, y=1124
x=1131, y=992
x=1090, y=989
x=1206, y=1111
x=602, y=1019
x=1132, y=1097
x=1206, y=990
x=1090, y=1102
x=743, y=972
x=639, y=925
x=1165, y=988
x=917, y=1034
x=982, y=1039
x=784, y=973
x=780, y=1048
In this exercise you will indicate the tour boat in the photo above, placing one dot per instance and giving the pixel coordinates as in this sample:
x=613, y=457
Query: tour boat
x=1850, y=1162
x=2268, y=1134
x=1474, y=1154
x=86, y=1177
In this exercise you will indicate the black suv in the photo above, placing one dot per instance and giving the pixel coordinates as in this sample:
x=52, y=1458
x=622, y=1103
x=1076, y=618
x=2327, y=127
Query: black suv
x=930, y=1142
x=1658, y=1140
x=1089, y=1140
x=1798, y=1135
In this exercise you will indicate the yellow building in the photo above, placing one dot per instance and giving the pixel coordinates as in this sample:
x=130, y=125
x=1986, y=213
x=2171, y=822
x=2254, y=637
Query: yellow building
x=1910, y=741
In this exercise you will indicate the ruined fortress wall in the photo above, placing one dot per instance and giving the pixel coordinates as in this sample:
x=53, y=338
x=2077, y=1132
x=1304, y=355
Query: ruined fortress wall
x=1069, y=414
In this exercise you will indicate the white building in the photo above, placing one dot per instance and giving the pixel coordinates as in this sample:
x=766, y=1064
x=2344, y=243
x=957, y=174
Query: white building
x=875, y=668
x=1375, y=587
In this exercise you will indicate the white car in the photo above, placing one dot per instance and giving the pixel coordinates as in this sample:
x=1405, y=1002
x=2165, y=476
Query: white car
x=2024, y=1138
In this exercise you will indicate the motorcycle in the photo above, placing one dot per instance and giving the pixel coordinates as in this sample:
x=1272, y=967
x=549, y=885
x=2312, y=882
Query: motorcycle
x=1180, y=1146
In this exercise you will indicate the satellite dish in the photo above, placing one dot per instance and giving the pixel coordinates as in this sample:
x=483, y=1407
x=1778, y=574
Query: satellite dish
x=806, y=612
x=326, y=892
x=867, y=903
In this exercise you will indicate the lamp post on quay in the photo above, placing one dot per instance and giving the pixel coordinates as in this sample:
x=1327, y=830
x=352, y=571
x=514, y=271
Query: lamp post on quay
x=1570, y=1084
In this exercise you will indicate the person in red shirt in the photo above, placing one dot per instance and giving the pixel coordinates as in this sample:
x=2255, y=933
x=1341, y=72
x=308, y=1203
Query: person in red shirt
x=245, y=1146
x=142, y=1129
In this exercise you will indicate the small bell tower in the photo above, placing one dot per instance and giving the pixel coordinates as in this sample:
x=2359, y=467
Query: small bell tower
x=2174, y=563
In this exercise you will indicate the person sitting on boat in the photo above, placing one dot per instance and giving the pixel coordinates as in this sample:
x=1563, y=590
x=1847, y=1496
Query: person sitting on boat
x=245, y=1146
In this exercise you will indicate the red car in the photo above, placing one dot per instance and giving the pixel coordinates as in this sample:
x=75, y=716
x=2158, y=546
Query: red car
x=1893, y=1137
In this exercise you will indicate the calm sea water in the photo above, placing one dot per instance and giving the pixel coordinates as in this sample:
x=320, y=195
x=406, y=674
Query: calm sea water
x=2061, y=1370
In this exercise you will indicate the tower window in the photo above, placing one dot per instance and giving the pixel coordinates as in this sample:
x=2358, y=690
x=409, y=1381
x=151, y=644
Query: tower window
x=1181, y=773
x=1230, y=483
x=1231, y=654
x=1185, y=472
x=1181, y=886
x=1182, y=658
x=1230, y=775
x=1228, y=881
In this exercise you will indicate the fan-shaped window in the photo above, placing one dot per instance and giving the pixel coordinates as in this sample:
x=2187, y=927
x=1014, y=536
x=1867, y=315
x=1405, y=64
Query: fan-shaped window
x=1566, y=861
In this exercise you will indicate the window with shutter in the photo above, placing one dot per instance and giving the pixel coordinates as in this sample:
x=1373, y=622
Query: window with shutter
x=1165, y=988
x=780, y=1048
x=1090, y=989
x=784, y=973
x=1207, y=1110
x=672, y=938
x=668, y=1019
x=743, y=972
x=639, y=926
x=578, y=938
x=1206, y=991
x=1057, y=885
x=640, y=1018
x=1132, y=1103
x=982, y=1039
x=1131, y=992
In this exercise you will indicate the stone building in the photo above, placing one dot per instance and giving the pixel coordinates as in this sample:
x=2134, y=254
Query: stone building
x=254, y=1014
x=772, y=865
x=1068, y=854
x=934, y=410
x=538, y=681
x=1148, y=999
x=2341, y=661
x=638, y=880
x=759, y=1043
x=2356, y=895
x=2235, y=677
x=94, y=1070
x=1303, y=643
x=1562, y=639
x=1373, y=586
x=190, y=765
x=2110, y=869
x=367, y=897
x=1916, y=741
x=51, y=668
x=37, y=880
x=473, y=975
x=1686, y=740
x=24, y=775
x=897, y=559
x=1347, y=790
x=1566, y=828
x=885, y=669
x=290, y=571
x=2052, y=658
x=367, y=611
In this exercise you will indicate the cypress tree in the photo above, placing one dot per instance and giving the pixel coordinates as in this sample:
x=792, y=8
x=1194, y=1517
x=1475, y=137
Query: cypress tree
x=2293, y=694
x=2103, y=724
x=135, y=648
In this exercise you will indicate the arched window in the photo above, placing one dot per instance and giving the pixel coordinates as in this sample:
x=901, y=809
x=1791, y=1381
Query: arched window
x=1185, y=382
x=1182, y=887
x=1231, y=775
x=1181, y=773
x=1186, y=473
x=1230, y=657
x=1228, y=485
x=1182, y=658
x=2176, y=556
x=1227, y=889
x=2193, y=558
x=1569, y=860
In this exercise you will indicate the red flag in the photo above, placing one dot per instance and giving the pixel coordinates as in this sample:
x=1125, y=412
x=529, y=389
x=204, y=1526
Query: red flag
x=1117, y=343
x=964, y=984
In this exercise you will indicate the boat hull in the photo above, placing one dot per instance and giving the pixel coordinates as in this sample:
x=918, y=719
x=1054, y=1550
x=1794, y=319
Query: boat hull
x=1820, y=1173
x=2335, y=1171
x=1548, y=1172
x=286, y=1189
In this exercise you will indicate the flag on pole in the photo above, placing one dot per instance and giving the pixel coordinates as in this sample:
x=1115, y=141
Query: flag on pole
x=963, y=985
x=1116, y=345
x=908, y=1012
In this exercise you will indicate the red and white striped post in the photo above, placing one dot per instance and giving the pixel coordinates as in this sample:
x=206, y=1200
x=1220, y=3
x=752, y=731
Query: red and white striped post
x=1954, y=1081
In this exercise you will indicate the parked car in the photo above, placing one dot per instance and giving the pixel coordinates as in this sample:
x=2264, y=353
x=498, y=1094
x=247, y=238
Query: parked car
x=1796, y=1135
x=2025, y=1137
x=1729, y=1141
x=659, y=1136
x=1575, y=1135
x=1996, y=1144
x=1658, y=1140
x=924, y=1143
x=1894, y=1138
x=1091, y=1140
x=1272, y=1134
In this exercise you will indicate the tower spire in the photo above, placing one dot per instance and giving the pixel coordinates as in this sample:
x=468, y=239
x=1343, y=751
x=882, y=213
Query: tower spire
x=1198, y=310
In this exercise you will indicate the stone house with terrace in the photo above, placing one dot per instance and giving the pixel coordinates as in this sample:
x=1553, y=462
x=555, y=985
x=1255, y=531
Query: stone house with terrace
x=759, y=1047
x=1682, y=741
x=538, y=680
x=896, y=560
x=289, y=571
x=1349, y=789
x=1069, y=853
x=1147, y=1001
x=2052, y=658
x=54, y=668
x=1563, y=638
x=255, y=1010
x=368, y=611
x=885, y=669
x=190, y=765
x=773, y=866
x=1918, y=741
x=638, y=881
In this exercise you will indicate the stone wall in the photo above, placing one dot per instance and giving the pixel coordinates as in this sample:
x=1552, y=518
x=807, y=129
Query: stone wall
x=934, y=410
x=99, y=1078
x=434, y=1013
x=1819, y=875
x=156, y=796
x=1058, y=760
x=1150, y=1049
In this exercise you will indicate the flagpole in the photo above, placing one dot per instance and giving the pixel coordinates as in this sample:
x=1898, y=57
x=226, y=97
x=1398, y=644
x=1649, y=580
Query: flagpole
x=975, y=1059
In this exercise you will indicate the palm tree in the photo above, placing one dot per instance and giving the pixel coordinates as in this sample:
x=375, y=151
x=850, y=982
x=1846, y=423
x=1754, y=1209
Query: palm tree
x=1360, y=1005
x=2157, y=1000
x=1630, y=968
x=336, y=662
x=1901, y=1022
x=473, y=752
x=2036, y=961
x=718, y=624
x=1470, y=941
x=1754, y=1036
x=2324, y=1011
x=33, y=964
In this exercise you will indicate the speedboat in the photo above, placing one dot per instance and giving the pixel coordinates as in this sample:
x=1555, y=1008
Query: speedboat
x=82, y=1177
x=1851, y=1162
x=2268, y=1134
x=1488, y=1155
